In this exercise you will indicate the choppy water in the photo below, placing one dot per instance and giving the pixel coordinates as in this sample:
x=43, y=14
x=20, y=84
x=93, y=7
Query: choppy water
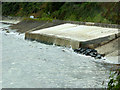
x=27, y=64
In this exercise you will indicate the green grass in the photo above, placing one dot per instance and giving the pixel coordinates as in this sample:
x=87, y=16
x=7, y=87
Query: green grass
x=39, y=19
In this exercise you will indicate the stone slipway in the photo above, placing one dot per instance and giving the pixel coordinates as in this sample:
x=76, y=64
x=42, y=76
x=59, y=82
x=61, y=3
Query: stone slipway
x=73, y=35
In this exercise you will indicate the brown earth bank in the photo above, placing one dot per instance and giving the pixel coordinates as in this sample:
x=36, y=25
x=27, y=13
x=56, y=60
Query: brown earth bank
x=109, y=49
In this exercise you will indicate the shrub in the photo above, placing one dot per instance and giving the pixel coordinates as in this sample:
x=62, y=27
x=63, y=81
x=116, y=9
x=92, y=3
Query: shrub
x=114, y=83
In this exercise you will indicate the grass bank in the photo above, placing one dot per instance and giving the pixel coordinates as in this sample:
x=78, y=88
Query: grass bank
x=99, y=12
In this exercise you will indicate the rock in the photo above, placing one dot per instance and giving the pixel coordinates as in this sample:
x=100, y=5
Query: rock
x=7, y=31
x=104, y=59
x=92, y=54
x=86, y=53
x=93, y=50
x=63, y=50
x=98, y=56
x=77, y=50
x=82, y=50
x=89, y=52
x=103, y=55
x=95, y=53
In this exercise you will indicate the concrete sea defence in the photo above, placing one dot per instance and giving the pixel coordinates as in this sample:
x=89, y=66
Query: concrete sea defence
x=109, y=49
x=74, y=35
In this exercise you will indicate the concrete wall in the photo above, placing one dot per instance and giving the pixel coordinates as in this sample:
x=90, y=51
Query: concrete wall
x=93, y=43
x=98, y=42
x=48, y=39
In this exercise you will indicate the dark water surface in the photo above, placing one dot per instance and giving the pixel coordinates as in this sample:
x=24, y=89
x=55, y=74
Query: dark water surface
x=27, y=64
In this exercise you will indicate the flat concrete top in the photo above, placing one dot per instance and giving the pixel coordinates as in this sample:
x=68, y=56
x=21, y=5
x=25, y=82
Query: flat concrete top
x=77, y=32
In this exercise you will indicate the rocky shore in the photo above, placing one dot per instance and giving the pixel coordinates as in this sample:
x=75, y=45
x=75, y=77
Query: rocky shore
x=89, y=52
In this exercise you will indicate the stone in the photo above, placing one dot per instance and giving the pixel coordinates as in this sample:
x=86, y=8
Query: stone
x=89, y=52
x=92, y=54
x=82, y=50
x=93, y=50
x=2, y=29
x=7, y=31
x=77, y=50
x=98, y=56
x=103, y=55
x=63, y=50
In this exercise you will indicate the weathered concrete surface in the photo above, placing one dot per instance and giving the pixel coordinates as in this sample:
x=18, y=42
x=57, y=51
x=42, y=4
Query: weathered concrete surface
x=75, y=36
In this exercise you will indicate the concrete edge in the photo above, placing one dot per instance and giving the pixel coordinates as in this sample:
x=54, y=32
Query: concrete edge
x=99, y=41
x=51, y=39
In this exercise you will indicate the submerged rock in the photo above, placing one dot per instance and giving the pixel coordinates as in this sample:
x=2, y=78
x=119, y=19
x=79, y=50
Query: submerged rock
x=63, y=50
x=5, y=28
x=93, y=54
x=7, y=31
x=77, y=50
x=2, y=29
x=98, y=56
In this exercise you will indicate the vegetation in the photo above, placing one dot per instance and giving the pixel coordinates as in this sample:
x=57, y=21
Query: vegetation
x=75, y=11
x=114, y=83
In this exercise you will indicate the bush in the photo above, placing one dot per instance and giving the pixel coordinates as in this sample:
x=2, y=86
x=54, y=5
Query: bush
x=82, y=11
x=114, y=83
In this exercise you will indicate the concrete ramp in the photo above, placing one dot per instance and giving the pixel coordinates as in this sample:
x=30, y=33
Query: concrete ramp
x=75, y=36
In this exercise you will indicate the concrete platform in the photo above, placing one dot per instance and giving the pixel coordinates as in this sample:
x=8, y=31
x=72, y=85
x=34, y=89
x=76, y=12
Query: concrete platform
x=75, y=36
